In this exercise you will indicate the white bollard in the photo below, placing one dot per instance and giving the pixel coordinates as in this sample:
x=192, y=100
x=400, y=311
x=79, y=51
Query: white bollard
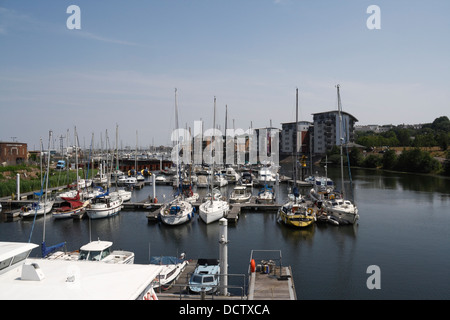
x=223, y=255
x=18, y=186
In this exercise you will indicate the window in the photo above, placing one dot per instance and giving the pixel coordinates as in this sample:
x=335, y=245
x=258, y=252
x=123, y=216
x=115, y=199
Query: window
x=21, y=256
x=5, y=263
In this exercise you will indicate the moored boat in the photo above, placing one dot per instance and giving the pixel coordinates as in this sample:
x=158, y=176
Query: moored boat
x=99, y=250
x=266, y=195
x=69, y=207
x=205, y=277
x=240, y=194
x=172, y=268
x=176, y=212
x=104, y=205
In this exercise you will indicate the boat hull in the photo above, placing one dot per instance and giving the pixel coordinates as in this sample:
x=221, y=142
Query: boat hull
x=296, y=219
x=176, y=213
x=104, y=210
x=210, y=213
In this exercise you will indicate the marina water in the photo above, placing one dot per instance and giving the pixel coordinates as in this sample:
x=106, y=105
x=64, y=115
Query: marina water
x=404, y=229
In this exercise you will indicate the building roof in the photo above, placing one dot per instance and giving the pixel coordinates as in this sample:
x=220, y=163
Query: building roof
x=336, y=111
x=75, y=280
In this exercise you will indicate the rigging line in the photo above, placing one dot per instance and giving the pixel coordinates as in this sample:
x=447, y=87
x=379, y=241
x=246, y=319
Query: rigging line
x=36, y=208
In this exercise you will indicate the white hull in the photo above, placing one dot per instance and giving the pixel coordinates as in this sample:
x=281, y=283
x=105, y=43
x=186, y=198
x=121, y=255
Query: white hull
x=343, y=210
x=243, y=199
x=213, y=212
x=344, y=216
x=265, y=197
x=125, y=195
x=104, y=210
x=42, y=208
x=183, y=215
x=169, y=274
x=68, y=214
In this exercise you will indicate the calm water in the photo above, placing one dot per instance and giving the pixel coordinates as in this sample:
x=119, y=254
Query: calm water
x=404, y=229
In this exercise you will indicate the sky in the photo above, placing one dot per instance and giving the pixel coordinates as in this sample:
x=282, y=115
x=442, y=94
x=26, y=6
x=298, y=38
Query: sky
x=123, y=65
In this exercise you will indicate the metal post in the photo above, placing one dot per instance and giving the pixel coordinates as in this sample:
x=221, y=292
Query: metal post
x=154, y=186
x=18, y=186
x=223, y=260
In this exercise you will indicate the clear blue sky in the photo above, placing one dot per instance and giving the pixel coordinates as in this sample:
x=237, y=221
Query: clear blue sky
x=124, y=64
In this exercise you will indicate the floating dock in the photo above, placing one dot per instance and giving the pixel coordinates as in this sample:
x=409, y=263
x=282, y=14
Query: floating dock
x=275, y=283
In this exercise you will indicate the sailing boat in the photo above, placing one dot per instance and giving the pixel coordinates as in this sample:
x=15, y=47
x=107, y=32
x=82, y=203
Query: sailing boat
x=340, y=208
x=40, y=207
x=213, y=209
x=178, y=211
x=295, y=211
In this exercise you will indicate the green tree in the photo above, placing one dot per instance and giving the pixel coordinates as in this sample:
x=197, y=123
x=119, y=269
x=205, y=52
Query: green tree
x=389, y=160
x=446, y=169
x=372, y=161
x=355, y=156
x=416, y=160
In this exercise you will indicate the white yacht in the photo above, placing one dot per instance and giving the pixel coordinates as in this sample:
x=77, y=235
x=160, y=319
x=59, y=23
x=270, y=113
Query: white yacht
x=45, y=279
x=127, y=181
x=214, y=208
x=266, y=195
x=96, y=251
x=176, y=212
x=343, y=210
x=220, y=181
x=231, y=175
x=37, y=208
x=105, y=205
x=172, y=268
x=240, y=194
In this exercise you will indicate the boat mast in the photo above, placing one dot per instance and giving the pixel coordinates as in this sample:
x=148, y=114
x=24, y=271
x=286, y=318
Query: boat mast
x=296, y=193
x=341, y=139
x=212, y=145
x=46, y=181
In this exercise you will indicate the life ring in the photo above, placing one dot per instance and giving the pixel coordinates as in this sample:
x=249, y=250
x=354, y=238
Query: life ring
x=310, y=210
x=252, y=265
x=150, y=296
x=331, y=196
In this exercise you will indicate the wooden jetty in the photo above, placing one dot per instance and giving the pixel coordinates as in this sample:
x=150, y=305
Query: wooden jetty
x=233, y=216
x=267, y=281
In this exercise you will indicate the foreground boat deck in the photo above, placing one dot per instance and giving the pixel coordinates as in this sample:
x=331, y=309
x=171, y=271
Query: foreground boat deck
x=261, y=286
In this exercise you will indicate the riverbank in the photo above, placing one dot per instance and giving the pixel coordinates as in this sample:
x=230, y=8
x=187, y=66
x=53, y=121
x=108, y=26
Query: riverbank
x=30, y=179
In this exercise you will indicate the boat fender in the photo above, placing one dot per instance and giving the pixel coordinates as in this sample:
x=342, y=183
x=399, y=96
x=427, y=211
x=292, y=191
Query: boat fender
x=252, y=265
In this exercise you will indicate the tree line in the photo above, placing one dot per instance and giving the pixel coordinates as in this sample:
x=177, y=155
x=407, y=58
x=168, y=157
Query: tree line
x=411, y=159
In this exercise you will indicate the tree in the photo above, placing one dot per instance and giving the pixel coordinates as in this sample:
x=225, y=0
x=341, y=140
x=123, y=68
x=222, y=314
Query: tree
x=389, y=159
x=355, y=156
x=372, y=161
x=446, y=168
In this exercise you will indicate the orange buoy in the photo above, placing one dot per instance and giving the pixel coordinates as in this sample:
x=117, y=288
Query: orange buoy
x=252, y=265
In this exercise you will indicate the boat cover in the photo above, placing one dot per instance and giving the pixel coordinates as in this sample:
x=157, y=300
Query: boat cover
x=165, y=260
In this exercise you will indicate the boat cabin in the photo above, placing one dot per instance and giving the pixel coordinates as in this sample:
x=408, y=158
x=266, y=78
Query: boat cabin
x=13, y=254
x=95, y=250
x=206, y=276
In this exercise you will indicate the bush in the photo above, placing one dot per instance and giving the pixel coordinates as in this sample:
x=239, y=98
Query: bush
x=416, y=160
x=372, y=161
x=389, y=160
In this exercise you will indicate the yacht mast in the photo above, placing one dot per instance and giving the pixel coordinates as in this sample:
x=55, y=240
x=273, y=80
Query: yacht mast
x=341, y=139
